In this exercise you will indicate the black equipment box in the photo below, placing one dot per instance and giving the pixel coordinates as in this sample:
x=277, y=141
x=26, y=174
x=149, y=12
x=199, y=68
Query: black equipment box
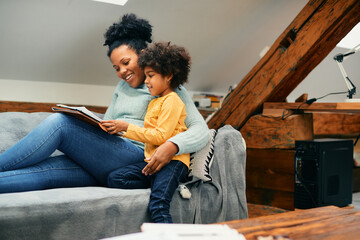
x=323, y=173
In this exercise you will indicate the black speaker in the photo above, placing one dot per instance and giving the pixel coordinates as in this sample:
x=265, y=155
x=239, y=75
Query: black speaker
x=323, y=173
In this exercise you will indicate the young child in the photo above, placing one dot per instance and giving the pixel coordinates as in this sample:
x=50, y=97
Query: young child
x=166, y=67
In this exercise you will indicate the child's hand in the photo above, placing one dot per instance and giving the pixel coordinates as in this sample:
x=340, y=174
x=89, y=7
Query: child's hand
x=114, y=126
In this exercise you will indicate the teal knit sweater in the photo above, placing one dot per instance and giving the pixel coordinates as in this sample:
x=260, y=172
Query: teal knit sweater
x=130, y=104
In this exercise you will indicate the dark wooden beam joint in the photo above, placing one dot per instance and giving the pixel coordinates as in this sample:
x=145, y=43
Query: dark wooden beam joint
x=287, y=40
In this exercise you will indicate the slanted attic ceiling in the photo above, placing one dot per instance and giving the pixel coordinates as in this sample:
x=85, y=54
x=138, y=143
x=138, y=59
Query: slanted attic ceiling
x=61, y=40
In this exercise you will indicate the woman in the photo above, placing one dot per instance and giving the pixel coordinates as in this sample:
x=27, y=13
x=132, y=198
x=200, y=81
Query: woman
x=90, y=154
x=166, y=67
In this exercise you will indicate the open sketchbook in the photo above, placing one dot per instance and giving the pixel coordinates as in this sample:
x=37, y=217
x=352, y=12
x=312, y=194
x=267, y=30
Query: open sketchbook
x=81, y=113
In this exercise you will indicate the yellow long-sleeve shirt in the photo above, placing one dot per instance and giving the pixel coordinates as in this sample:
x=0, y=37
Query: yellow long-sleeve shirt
x=165, y=117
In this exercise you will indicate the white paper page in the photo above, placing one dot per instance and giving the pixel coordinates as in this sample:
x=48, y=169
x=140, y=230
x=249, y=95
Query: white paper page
x=194, y=231
x=81, y=109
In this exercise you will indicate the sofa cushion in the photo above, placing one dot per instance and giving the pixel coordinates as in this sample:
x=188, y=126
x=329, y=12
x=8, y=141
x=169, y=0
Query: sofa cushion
x=97, y=212
x=15, y=125
x=73, y=213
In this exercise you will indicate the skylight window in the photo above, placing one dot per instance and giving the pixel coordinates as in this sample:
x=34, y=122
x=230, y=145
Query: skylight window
x=352, y=39
x=116, y=2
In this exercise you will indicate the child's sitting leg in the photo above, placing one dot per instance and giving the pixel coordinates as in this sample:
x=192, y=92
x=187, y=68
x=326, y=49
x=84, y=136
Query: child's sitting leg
x=129, y=177
x=163, y=185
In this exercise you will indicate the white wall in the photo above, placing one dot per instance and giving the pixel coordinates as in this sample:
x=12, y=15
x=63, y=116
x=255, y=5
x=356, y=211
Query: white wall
x=62, y=40
x=53, y=92
x=326, y=78
x=66, y=93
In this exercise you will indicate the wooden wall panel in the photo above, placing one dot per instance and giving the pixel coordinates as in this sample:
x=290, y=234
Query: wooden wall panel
x=280, y=199
x=270, y=180
x=274, y=132
x=272, y=160
x=13, y=106
x=270, y=177
x=336, y=124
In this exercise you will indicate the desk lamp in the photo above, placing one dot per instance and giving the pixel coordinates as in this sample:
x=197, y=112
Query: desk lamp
x=339, y=58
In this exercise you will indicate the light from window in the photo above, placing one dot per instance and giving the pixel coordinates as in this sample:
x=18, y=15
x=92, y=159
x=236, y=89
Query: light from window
x=352, y=39
x=116, y=2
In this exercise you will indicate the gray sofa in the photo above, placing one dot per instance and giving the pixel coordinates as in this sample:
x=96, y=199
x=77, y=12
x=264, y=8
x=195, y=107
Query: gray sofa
x=98, y=212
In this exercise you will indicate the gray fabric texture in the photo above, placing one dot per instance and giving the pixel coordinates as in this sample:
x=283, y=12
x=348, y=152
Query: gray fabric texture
x=97, y=212
x=224, y=197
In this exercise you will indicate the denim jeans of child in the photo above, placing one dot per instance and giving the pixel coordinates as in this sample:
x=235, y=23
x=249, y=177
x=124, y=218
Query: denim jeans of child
x=163, y=185
x=90, y=154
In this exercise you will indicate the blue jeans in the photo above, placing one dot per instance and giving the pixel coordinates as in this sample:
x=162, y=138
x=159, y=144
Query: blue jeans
x=90, y=154
x=163, y=185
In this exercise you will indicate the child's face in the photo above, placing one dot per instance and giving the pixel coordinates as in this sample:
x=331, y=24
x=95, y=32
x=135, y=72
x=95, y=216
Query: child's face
x=157, y=84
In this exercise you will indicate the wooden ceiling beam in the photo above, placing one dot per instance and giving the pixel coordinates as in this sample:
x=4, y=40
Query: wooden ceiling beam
x=311, y=36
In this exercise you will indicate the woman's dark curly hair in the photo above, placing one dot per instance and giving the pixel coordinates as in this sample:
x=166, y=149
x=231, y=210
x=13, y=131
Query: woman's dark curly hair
x=167, y=59
x=131, y=31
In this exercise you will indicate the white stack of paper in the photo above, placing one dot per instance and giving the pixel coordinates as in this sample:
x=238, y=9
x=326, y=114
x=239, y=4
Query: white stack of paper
x=160, y=231
x=145, y=236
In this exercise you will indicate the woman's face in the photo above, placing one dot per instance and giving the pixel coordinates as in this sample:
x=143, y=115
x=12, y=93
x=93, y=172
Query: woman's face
x=124, y=60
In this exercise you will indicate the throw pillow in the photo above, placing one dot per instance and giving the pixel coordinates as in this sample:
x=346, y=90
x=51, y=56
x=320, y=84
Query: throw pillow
x=200, y=162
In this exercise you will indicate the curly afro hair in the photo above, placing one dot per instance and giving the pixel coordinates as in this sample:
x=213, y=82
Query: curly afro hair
x=131, y=31
x=167, y=59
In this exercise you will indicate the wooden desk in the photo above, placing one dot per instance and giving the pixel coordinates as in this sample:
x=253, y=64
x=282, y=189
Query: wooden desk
x=318, y=223
x=277, y=108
